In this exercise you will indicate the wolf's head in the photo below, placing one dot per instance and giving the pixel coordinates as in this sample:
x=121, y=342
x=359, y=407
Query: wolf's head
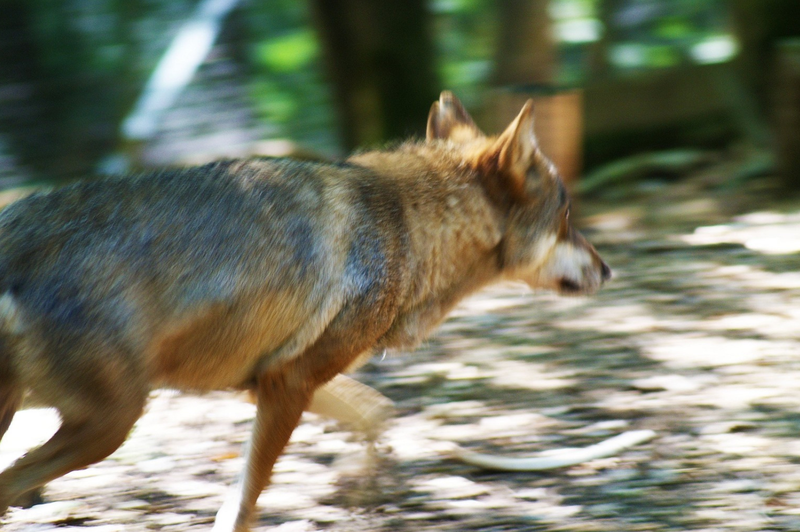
x=539, y=244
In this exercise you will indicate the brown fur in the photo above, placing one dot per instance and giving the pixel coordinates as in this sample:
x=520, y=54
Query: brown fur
x=270, y=275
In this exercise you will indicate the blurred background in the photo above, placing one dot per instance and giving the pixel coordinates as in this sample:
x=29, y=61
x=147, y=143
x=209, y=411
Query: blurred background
x=676, y=123
x=91, y=86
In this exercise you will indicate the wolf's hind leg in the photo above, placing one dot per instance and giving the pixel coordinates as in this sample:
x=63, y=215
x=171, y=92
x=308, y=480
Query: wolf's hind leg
x=10, y=389
x=87, y=435
x=348, y=401
x=10, y=399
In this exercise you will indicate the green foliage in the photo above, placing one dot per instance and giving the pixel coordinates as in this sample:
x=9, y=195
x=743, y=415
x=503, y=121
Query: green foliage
x=673, y=28
x=464, y=31
x=661, y=56
x=288, y=53
x=286, y=82
x=274, y=103
x=95, y=56
x=456, y=6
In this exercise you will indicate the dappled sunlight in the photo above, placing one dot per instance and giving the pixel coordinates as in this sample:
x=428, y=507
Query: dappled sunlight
x=695, y=338
x=740, y=395
x=529, y=375
x=777, y=325
x=736, y=443
x=508, y=295
x=29, y=428
x=618, y=318
x=765, y=232
x=756, y=277
x=697, y=350
x=450, y=487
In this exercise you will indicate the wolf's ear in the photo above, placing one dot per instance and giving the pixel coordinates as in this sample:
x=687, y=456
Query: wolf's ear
x=517, y=149
x=449, y=120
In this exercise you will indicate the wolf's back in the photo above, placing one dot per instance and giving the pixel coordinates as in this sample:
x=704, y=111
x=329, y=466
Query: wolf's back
x=186, y=234
x=158, y=264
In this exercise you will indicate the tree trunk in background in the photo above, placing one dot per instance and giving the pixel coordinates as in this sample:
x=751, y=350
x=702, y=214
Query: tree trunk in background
x=771, y=72
x=758, y=25
x=525, y=51
x=525, y=68
x=787, y=111
x=380, y=58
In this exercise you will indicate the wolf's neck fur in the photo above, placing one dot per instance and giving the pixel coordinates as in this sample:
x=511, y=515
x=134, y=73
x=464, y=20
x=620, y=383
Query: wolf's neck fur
x=454, y=233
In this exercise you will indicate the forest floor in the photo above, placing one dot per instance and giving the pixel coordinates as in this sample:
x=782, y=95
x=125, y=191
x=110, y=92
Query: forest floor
x=696, y=338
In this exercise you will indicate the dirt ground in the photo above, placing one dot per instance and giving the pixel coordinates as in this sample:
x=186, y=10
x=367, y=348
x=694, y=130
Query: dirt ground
x=695, y=338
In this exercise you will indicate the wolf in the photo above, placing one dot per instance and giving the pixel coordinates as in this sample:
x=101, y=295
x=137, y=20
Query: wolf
x=268, y=275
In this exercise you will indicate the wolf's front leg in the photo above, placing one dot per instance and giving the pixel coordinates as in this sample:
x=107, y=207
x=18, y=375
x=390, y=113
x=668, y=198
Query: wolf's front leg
x=280, y=400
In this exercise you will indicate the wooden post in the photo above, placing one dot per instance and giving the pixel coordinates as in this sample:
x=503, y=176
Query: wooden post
x=525, y=65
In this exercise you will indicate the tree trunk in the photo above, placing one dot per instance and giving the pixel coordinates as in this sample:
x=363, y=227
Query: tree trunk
x=525, y=51
x=758, y=25
x=525, y=68
x=787, y=112
x=379, y=56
